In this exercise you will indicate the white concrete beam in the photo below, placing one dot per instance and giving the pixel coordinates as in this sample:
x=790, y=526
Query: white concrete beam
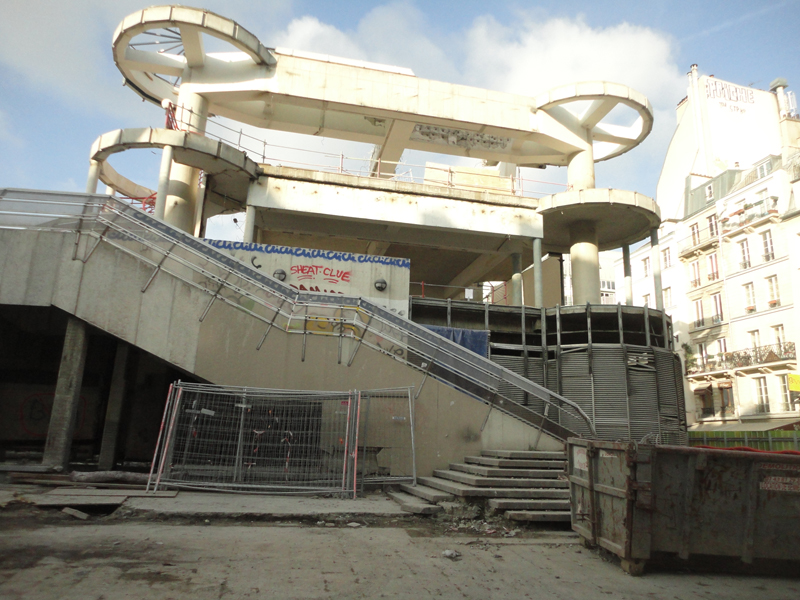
x=376, y=206
x=192, y=40
x=476, y=271
x=597, y=111
x=390, y=152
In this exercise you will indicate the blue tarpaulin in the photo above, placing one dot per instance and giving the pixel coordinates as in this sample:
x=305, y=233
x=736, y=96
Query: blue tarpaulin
x=476, y=340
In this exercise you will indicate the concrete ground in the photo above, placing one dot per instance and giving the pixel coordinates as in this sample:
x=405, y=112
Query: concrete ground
x=312, y=548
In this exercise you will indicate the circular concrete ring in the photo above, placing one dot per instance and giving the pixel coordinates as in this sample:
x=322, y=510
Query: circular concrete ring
x=605, y=97
x=230, y=168
x=145, y=72
x=621, y=217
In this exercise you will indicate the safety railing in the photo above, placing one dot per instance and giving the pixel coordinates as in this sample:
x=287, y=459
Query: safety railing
x=278, y=306
x=262, y=151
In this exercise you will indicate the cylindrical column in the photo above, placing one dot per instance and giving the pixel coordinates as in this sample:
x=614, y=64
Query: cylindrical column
x=181, y=204
x=163, y=181
x=516, y=280
x=585, y=260
x=93, y=178
x=67, y=396
x=250, y=224
x=580, y=170
x=538, y=285
x=655, y=260
x=626, y=266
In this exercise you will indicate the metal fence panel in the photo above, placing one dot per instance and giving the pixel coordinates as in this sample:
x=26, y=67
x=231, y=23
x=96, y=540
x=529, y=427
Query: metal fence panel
x=283, y=441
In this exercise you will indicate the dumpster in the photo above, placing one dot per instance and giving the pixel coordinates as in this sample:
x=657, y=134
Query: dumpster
x=644, y=502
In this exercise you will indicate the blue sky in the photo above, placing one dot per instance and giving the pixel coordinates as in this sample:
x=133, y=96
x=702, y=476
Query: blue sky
x=59, y=87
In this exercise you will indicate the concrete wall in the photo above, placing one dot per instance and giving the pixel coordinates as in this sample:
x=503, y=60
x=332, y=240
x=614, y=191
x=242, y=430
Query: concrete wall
x=37, y=268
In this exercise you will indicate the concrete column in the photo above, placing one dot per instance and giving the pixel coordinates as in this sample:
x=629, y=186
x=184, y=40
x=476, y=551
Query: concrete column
x=163, y=181
x=68, y=391
x=538, y=286
x=516, y=280
x=580, y=170
x=110, y=191
x=116, y=397
x=585, y=261
x=250, y=224
x=626, y=266
x=181, y=205
x=93, y=178
x=655, y=263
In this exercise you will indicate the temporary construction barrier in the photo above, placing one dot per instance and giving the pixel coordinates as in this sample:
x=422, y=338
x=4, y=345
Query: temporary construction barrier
x=283, y=441
x=645, y=502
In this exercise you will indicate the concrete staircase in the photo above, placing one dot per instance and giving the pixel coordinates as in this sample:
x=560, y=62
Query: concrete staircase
x=525, y=485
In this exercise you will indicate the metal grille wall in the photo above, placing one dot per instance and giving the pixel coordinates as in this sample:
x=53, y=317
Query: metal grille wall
x=283, y=441
x=609, y=360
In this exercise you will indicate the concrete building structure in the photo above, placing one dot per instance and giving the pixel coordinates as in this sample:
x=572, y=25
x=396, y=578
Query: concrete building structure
x=108, y=275
x=728, y=256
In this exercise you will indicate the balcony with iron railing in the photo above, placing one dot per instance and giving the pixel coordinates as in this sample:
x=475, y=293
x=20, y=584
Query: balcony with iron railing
x=723, y=412
x=698, y=240
x=743, y=217
x=743, y=359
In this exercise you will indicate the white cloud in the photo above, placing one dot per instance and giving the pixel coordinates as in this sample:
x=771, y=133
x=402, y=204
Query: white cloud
x=62, y=49
x=7, y=133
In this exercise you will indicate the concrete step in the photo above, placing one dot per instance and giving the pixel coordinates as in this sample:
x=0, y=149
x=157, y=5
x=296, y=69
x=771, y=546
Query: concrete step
x=515, y=463
x=560, y=503
x=425, y=492
x=527, y=454
x=537, y=515
x=461, y=490
x=495, y=472
x=499, y=482
x=413, y=504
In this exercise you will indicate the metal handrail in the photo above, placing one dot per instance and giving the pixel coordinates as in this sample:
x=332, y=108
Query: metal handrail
x=277, y=305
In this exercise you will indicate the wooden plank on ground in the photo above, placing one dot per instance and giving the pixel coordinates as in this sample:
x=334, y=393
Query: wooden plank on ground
x=72, y=491
x=61, y=500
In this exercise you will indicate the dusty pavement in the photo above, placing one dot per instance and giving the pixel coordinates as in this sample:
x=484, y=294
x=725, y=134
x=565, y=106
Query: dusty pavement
x=56, y=556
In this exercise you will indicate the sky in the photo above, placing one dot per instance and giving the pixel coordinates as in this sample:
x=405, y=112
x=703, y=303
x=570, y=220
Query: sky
x=60, y=89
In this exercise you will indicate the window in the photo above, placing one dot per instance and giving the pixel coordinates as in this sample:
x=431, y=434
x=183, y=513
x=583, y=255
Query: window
x=774, y=295
x=769, y=252
x=722, y=345
x=646, y=300
x=702, y=353
x=763, y=169
x=762, y=396
x=744, y=248
x=666, y=258
x=786, y=396
x=709, y=192
x=749, y=298
x=646, y=267
x=712, y=225
x=695, y=229
x=713, y=270
x=727, y=402
x=667, y=297
x=698, y=313
x=717, y=299
x=695, y=274
x=755, y=338
x=778, y=334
